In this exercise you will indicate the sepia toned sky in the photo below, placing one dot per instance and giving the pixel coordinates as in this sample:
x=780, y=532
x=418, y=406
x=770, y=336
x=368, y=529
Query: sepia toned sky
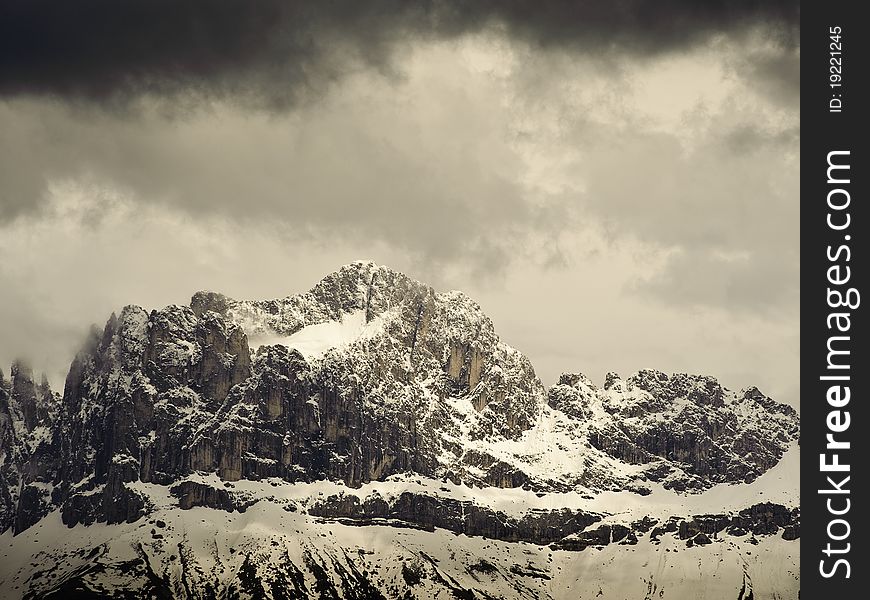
x=615, y=182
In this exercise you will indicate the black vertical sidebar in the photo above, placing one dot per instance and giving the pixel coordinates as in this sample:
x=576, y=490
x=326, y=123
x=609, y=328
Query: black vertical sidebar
x=835, y=222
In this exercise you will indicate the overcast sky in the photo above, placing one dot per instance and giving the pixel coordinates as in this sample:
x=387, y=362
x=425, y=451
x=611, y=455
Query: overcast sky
x=615, y=182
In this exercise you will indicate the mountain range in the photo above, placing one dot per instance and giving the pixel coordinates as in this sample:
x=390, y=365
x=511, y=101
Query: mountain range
x=375, y=438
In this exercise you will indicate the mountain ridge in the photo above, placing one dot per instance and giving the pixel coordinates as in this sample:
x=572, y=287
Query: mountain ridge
x=373, y=379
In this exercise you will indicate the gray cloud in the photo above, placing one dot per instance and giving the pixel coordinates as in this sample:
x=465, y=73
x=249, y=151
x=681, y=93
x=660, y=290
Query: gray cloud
x=727, y=210
x=437, y=181
x=755, y=281
x=276, y=52
x=426, y=184
x=438, y=164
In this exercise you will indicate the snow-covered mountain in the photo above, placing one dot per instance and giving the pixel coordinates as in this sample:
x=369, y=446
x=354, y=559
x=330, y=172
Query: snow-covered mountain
x=372, y=438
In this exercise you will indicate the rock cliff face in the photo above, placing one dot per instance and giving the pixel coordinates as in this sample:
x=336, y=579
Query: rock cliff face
x=28, y=448
x=368, y=377
x=688, y=429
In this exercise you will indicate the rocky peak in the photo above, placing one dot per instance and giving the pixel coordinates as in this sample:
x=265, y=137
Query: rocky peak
x=32, y=404
x=706, y=433
x=25, y=394
x=754, y=396
x=28, y=424
x=612, y=381
x=364, y=286
x=202, y=302
x=572, y=395
x=700, y=389
x=576, y=380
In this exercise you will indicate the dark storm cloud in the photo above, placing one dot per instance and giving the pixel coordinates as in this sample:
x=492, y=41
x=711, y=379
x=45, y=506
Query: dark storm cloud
x=277, y=52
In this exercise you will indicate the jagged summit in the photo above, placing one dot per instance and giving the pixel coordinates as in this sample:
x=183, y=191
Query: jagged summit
x=361, y=287
x=349, y=283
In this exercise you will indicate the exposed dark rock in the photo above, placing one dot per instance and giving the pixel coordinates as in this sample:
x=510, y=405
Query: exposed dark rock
x=538, y=527
x=702, y=539
x=630, y=539
x=643, y=525
x=600, y=536
x=766, y=518
x=671, y=526
x=760, y=519
x=34, y=502
x=791, y=532
x=619, y=532
x=192, y=493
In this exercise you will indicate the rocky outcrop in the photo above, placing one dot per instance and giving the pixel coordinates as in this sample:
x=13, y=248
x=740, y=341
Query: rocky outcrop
x=459, y=516
x=561, y=529
x=9, y=457
x=28, y=448
x=193, y=493
x=600, y=536
x=760, y=519
x=690, y=430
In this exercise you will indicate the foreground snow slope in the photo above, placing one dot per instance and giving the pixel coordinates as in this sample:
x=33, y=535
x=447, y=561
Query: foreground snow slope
x=269, y=552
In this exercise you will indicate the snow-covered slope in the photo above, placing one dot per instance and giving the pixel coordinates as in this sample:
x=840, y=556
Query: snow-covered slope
x=375, y=438
x=274, y=553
